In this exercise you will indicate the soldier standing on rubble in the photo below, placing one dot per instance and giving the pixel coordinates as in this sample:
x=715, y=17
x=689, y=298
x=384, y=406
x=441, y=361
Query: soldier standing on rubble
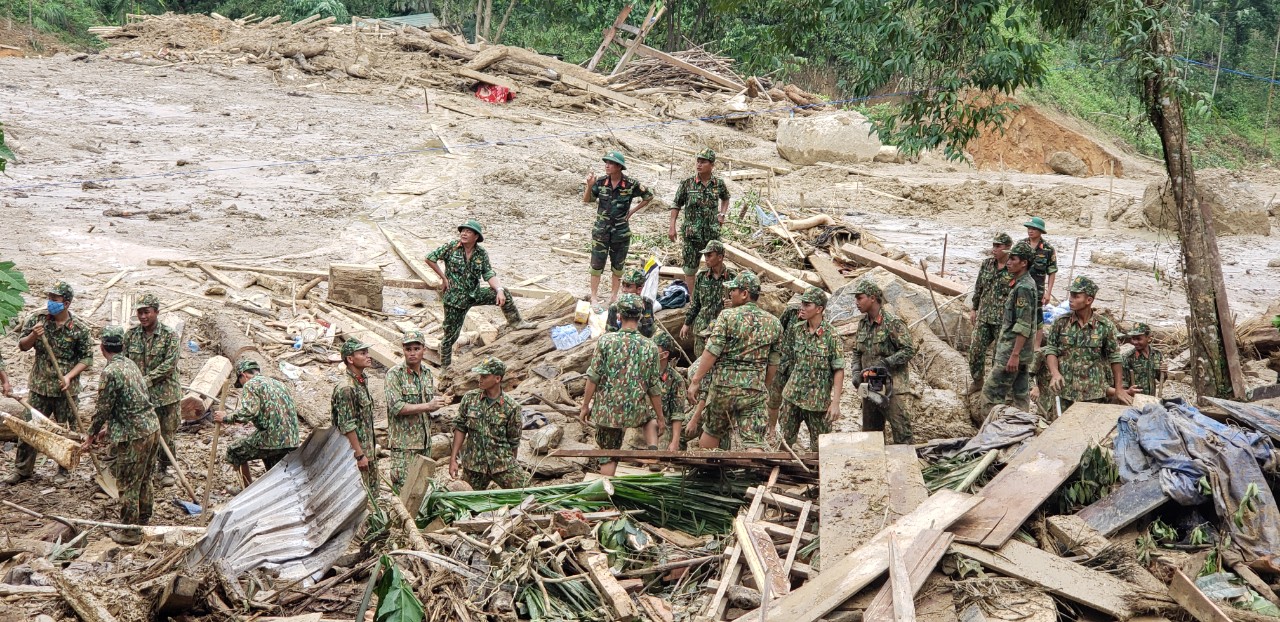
x=611, y=234
x=468, y=264
x=153, y=347
x=706, y=299
x=699, y=196
x=742, y=350
x=487, y=432
x=1078, y=349
x=351, y=409
x=632, y=281
x=774, y=405
x=989, y=293
x=882, y=342
x=625, y=370
x=73, y=347
x=1144, y=367
x=1009, y=381
x=126, y=417
x=675, y=404
x=411, y=395
x=266, y=403
x=815, y=371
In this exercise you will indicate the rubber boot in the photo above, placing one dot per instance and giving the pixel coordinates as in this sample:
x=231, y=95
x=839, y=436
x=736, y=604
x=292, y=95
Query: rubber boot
x=513, y=315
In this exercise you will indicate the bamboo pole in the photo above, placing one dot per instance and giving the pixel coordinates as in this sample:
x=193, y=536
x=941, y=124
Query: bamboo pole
x=934, y=297
x=942, y=268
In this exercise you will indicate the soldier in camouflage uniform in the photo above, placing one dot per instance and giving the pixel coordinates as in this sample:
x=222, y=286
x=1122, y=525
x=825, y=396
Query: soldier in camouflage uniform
x=153, y=347
x=266, y=403
x=611, y=234
x=815, y=371
x=351, y=409
x=486, y=432
x=625, y=369
x=882, y=340
x=1144, y=367
x=699, y=196
x=774, y=405
x=1009, y=381
x=126, y=417
x=1078, y=349
x=706, y=299
x=742, y=351
x=411, y=395
x=632, y=281
x=1044, y=267
x=675, y=404
x=468, y=264
x=73, y=346
x=989, y=293
x=1040, y=394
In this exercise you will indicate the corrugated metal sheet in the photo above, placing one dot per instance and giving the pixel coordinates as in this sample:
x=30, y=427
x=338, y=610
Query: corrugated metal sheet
x=297, y=518
x=421, y=20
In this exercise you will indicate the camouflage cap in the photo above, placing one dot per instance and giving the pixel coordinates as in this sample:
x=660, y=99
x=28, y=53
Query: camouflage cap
x=413, y=336
x=1023, y=250
x=814, y=295
x=1002, y=238
x=633, y=276
x=707, y=154
x=1139, y=329
x=617, y=158
x=246, y=365
x=147, y=300
x=113, y=336
x=61, y=288
x=745, y=280
x=630, y=305
x=868, y=287
x=473, y=225
x=664, y=341
x=714, y=246
x=351, y=346
x=490, y=366
x=1083, y=285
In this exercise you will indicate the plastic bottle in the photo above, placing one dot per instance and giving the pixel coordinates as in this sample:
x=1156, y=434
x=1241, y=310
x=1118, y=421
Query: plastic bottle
x=297, y=342
x=192, y=345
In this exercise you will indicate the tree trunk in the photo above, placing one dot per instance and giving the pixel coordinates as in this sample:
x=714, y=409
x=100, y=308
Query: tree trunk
x=1213, y=349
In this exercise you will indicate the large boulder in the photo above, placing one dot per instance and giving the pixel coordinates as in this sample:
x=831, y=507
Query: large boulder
x=839, y=137
x=1237, y=209
x=1067, y=163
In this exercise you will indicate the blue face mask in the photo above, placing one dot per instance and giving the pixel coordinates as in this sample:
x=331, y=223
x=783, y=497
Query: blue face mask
x=54, y=307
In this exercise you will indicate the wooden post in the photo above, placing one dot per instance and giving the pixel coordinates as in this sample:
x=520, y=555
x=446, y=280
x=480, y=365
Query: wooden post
x=1072, y=274
x=609, y=34
x=924, y=268
x=182, y=476
x=615, y=598
x=211, y=471
x=650, y=20
x=358, y=285
x=415, y=485
x=942, y=267
x=904, y=609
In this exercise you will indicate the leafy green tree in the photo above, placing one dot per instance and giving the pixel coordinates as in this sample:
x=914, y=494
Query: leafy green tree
x=6, y=154
x=12, y=285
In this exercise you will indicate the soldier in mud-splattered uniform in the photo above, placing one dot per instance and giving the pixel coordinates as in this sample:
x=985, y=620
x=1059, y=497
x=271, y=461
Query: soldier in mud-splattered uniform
x=1080, y=347
x=266, y=403
x=989, y=293
x=611, y=233
x=153, y=347
x=1009, y=381
x=351, y=409
x=815, y=371
x=623, y=386
x=486, y=433
x=704, y=197
x=883, y=340
x=411, y=396
x=632, y=281
x=706, y=299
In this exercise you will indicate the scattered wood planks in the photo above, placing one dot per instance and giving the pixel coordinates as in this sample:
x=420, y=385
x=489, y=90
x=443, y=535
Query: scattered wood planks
x=1067, y=579
x=852, y=491
x=909, y=273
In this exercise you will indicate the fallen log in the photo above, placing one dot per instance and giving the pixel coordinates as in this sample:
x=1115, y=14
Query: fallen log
x=234, y=345
x=86, y=605
x=62, y=450
x=215, y=372
x=765, y=269
x=801, y=224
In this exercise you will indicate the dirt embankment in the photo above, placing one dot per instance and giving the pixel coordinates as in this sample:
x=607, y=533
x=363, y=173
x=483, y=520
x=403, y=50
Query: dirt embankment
x=1030, y=136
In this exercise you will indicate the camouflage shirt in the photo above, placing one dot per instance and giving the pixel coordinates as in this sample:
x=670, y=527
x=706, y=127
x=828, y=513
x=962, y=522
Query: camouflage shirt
x=990, y=291
x=614, y=203
x=1143, y=371
x=123, y=405
x=351, y=409
x=707, y=299
x=1045, y=262
x=744, y=340
x=493, y=432
x=1085, y=353
x=813, y=358
x=613, y=323
x=403, y=388
x=1021, y=317
x=157, y=356
x=701, y=202
x=465, y=275
x=675, y=401
x=625, y=371
x=888, y=343
x=71, y=343
x=266, y=403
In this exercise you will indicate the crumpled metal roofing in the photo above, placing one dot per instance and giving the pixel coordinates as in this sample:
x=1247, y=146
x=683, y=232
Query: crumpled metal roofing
x=298, y=518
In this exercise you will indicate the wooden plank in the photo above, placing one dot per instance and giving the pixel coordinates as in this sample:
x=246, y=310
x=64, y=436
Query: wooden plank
x=797, y=537
x=909, y=273
x=301, y=274
x=904, y=606
x=380, y=349
x=415, y=265
x=1124, y=505
x=764, y=269
x=761, y=557
x=1185, y=593
x=415, y=486
x=478, y=76
x=852, y=490
x=1069, y=580
x=731, y=568
x=614, y=597
x=904, y=480
x=1034, y=473
x=844, y=578
x=645, y=26
x=609, y=34
x=608, y=93
x=777, y=170
x=828, y=271
x=716, y=78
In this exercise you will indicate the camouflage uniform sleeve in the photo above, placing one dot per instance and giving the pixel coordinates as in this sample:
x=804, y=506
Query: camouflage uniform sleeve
x=904, y=346
x=720, y=334
x=84, y=349
x=593, y=370
x=1053, y=261
x=1127, y=367
x=462, y=420
x=652, y=376
x=782, y=346
x=723, y=192
x=836, y=360
x=695, y=303
x=250, y=403
x=107, y=385
x=1025, y=309
x=677, y=398
x=1050, y=344
x=167, y=357
x=980, y=285
x=645, y=192
x=394, y=390
x=1110, y=347
x=440, y=252
x=486, y=268
x=511, y=417
x=682, y=196
x=342, y=409
x=595, y=188
x=30, y=323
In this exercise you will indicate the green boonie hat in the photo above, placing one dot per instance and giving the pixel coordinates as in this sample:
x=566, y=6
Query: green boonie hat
x=246, y=365
x=714, y=246
x=62, y=288
x=473, y=225
x=1023, y=249
x=1002, y=238
x=490, y=366
x=633, y=276
x=1083, y=285
x=113, y=336
x=630, y=305
x=147, y=300
x=814, y=295
x=1139, y=329
x=617, y=158
x=867, y=287
x=707, y=154
x=664, y=341
x=351, y=346
x=413, y=336
x=1036, y=222
x=745, y=280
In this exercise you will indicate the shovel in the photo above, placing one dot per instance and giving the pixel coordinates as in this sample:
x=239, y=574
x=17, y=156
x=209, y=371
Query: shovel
x=106, y=481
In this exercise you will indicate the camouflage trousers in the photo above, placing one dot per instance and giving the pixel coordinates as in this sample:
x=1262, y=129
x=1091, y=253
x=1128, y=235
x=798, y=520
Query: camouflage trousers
x=984, y=339
x=735, y=409
x=691, y=249
x=455, y=316
x=251, y=448
x=1002, y=387
x=874, y=417
x=609, y=246
x=56, y=408
x=170, y=415
x=791, y=417
x=401, y=459
x=132, y=470
x=507, y=479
